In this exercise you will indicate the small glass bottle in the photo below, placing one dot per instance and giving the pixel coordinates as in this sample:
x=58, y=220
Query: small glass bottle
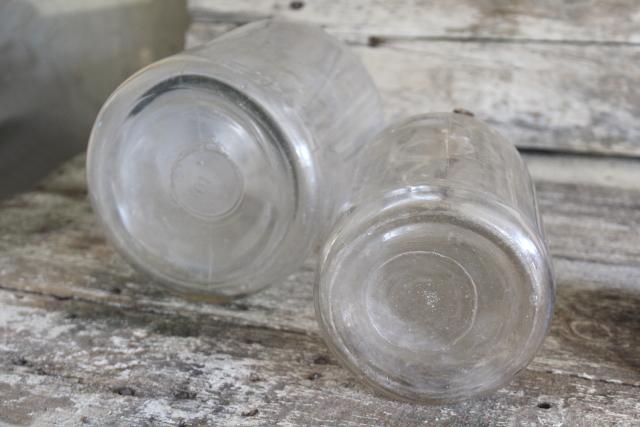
x=435, y=284
x=216, y=170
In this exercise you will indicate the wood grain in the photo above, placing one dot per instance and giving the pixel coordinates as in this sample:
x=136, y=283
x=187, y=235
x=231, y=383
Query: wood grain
x=562, y=78
x=600, y=21
x=85, y=339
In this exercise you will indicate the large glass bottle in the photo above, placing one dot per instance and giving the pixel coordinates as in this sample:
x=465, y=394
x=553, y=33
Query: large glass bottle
x=436, y=284
x=216, y=170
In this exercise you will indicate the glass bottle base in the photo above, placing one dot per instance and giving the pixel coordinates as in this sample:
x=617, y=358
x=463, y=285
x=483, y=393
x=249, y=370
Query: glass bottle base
x=196, y=185
x=428, y=299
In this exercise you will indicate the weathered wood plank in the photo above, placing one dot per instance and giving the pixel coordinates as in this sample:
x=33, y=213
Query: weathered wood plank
x=77, y=362
x=80, y=331
x=549, y=97
x=589, y=217
x=566, y=20
x=566, y=97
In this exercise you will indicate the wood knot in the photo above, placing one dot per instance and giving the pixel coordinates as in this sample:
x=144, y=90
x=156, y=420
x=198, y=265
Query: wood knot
x=251, y=413
x=124, y=391
x=20, y=361
x=321, y=360
x=374, y=41
x=296, y=5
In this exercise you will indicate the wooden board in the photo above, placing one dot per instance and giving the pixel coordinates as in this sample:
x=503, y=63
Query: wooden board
x=561, y=77
x=600, y=21
x=86, y=340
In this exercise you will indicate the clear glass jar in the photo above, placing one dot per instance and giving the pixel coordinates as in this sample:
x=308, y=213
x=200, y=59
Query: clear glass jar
x=216, y=170
x=436, y=285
